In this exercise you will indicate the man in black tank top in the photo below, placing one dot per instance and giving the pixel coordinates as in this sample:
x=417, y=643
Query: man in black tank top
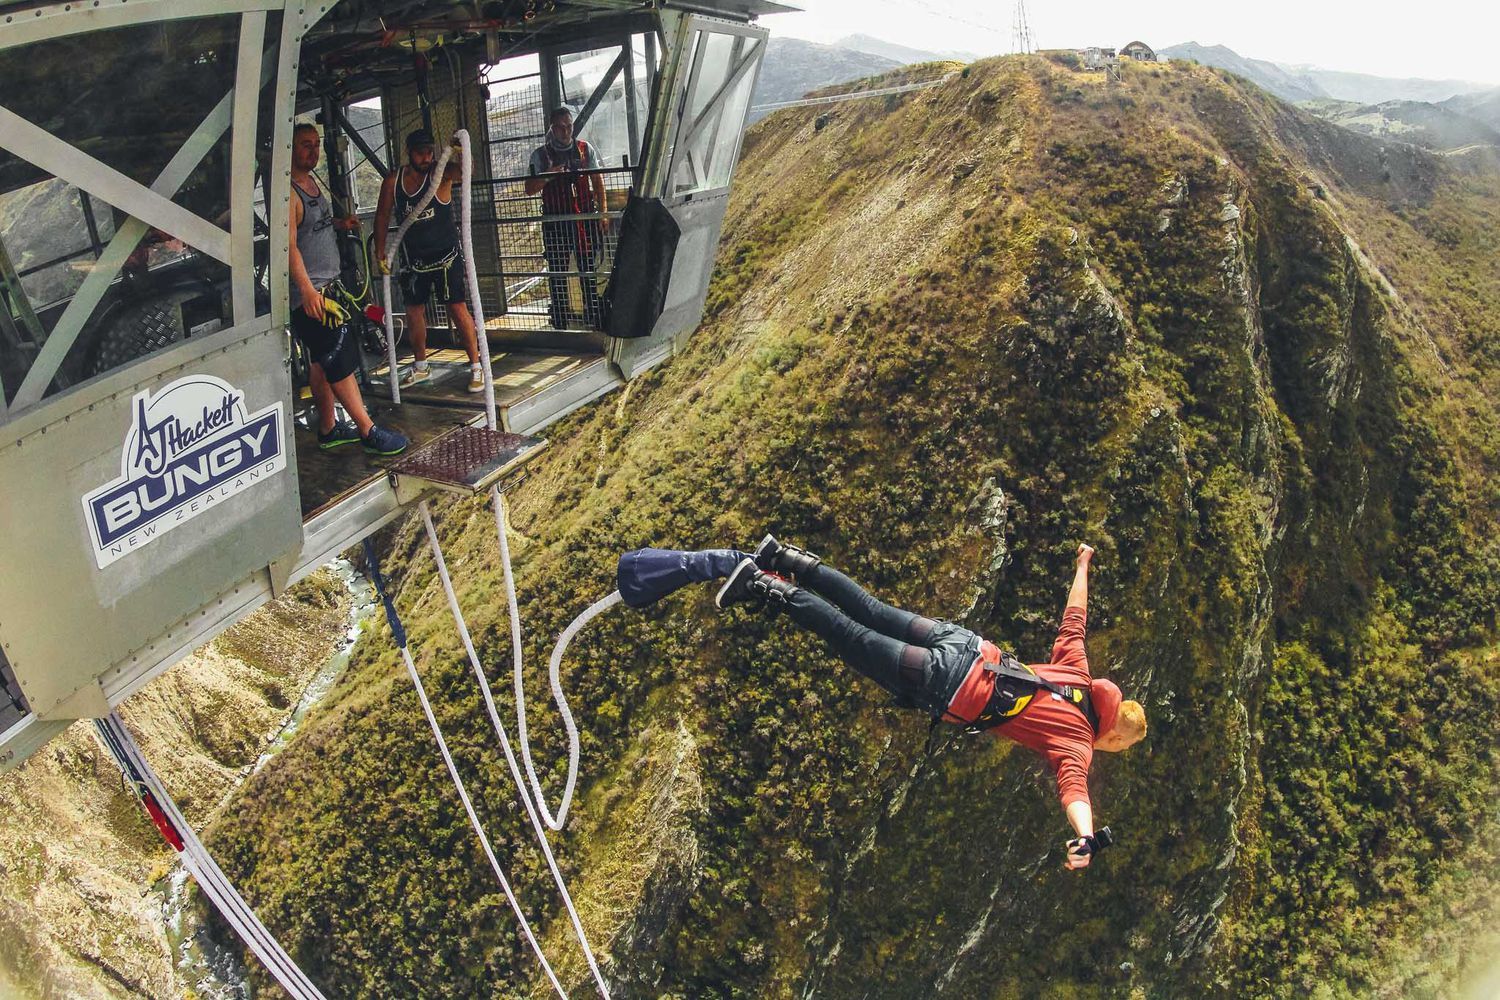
x=434, y=262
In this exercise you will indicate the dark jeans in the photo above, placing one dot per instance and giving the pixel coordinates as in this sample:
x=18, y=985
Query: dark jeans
x=920, y=661
x=562, y=241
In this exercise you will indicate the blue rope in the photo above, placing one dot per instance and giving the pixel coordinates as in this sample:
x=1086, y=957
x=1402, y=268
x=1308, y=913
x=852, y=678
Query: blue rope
x=398, y=631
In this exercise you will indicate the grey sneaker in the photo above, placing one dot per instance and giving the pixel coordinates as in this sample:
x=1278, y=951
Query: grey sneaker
x=417, y=373
x=384, y=442
x=738, y=587
x=748, y=583
x=343, y=432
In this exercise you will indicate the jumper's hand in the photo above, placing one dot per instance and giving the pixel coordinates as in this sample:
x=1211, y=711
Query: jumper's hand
x=347, y=225
x=382, y=266
x=1085, y=553
x=1080, y=853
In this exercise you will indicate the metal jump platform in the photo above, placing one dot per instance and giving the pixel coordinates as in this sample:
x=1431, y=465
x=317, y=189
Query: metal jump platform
x=159, y=474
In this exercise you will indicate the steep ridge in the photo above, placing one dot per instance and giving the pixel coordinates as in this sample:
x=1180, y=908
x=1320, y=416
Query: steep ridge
x=79, y=917
x=1247, y=354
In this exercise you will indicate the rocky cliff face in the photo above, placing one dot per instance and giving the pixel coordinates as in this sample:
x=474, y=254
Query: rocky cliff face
x=79, y=906
x=1249, y=356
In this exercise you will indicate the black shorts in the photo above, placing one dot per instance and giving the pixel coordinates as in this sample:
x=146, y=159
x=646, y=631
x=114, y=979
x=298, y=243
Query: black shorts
x=333, y=350
x=422, y=279
x=955, y=648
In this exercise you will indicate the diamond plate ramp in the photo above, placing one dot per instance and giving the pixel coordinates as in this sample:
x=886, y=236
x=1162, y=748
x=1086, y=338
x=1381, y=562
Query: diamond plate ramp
x=466, y=460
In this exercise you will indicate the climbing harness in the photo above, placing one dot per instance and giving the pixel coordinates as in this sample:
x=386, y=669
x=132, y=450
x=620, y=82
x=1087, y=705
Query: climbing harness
x=1015, y=685
x=196, y=860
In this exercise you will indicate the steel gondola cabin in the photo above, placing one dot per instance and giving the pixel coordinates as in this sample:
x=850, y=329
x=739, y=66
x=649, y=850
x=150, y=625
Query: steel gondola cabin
x=159, y=479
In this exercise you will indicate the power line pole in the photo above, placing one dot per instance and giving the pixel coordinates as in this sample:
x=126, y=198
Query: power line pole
x=1020, y=30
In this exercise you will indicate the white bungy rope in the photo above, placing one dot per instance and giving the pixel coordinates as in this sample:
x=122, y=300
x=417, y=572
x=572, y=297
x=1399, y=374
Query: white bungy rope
x=476, y=307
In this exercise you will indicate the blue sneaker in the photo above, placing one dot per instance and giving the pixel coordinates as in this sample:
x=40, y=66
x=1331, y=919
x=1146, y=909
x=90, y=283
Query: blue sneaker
x=383, y=442
x=341, y=433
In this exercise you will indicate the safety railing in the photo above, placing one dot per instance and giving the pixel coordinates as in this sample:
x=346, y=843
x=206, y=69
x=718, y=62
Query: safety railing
x=554, y=266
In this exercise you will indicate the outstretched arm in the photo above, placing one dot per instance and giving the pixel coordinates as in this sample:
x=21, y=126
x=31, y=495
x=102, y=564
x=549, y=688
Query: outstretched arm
x=1081, y=817
x=1080, y=812
x=1078, y=596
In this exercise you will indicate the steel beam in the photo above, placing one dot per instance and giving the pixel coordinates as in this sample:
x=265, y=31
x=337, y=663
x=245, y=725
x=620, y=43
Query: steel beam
x=242, y=166
x=70, y=324
x=67, y=162
x=716, y=101
x=359, y=142
x=59, y=20
x=592, y=103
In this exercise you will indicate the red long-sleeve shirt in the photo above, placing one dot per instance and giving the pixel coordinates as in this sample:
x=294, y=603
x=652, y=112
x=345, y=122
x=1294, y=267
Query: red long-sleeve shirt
x=1049, y=725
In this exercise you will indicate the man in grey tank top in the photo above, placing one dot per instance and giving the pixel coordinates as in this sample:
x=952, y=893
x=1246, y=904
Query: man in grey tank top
x=319, y=323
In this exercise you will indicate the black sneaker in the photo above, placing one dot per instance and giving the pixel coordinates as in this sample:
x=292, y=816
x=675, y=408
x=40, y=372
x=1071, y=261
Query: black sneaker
x=383, y=442
x=343, y=432
x=765, y=553
x=737, y=588
x=784, y=560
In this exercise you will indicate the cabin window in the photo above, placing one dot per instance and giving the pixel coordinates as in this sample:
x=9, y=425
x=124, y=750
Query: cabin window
x=708, y=139
x=52, y=234
x=140, y=115
x=596, y=77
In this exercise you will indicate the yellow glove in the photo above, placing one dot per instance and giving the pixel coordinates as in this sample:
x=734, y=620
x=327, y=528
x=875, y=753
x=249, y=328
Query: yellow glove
x=382, y=266
x=334, y=315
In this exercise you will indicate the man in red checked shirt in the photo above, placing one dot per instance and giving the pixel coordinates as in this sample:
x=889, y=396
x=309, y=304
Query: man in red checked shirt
x=1055, y=708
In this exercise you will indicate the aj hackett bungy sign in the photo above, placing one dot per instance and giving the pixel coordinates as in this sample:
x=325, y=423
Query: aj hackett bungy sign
x=189, y=447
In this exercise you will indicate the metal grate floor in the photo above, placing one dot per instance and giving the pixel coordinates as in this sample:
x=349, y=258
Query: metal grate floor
x=469, y=459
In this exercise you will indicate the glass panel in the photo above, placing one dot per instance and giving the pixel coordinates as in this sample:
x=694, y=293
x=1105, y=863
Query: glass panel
x=730, y=130
x=607, y=128
x=104, y=219
x=43, y=227
x=369, y=122
x=714, y=62
x=708, y=142
x=165, y=293
x=130, y=98
x=517, y=120
x=127, y=97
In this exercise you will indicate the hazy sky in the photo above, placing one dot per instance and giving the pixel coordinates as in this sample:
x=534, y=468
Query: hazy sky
x=1438, y=39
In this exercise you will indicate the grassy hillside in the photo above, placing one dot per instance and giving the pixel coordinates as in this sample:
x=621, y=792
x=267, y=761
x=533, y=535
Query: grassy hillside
x=1248, y=355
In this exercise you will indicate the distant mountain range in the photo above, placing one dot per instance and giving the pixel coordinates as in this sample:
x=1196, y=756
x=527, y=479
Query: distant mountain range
x=899, y=53
x=1269, y=76
x=1307, y=83
x=1484, y=106
x=1436, y=126
x=793, y=67
x=1445, y=115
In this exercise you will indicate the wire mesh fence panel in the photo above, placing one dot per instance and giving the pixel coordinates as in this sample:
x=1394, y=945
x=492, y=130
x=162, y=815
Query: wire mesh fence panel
x=557, y=241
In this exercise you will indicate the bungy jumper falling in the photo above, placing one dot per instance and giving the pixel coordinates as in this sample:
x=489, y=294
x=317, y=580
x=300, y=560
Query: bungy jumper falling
x=157, y=436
